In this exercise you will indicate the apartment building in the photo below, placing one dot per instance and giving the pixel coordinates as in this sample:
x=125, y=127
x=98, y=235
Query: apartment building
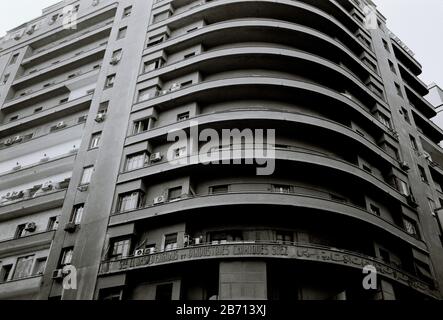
x=90, y=91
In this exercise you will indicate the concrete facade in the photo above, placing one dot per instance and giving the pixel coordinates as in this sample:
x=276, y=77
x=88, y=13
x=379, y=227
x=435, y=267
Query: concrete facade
x=84, y=182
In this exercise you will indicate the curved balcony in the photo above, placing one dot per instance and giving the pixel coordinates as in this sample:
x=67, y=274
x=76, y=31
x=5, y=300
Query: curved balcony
x=255, y=87
x=282, y=155
x=261, y=30
x=297, y=62
x=252, y=114
x=292, y=200
x=284, y=10
x=268, y=250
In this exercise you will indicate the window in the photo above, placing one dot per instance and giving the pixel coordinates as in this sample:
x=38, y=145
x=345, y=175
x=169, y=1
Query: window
x=111, y=294
x=127, y=12
x=282, y=188
x=384, y=119
x=171, y=241
x=405, y=114
x=219, y=189
x=175, y=193
x=14, y=59
x=120, y=249
x=77, y=214
x=13, y=118
x=141, y=126
x=411, y=227
x=66, y=257
x=392, y=67
x=152, y=65
x=5, y=273
x=398, y=88
x=6, y=78
x=402, y=187
x=36, y=110
x=110, y=81
x=375, y=210
x=186, y=83
x=122, y=33
x=413, y=143
x=23, y=267
x=135, y=161
x=161, y=16
x=20, y=231
x=52, y=224
x=95, y=140
x=87, y=175
x=103, y=108
x=116, y=56
x=422, y=172
x=130, y=201
x=183, y=116
x=189, y=55
x=39, y=267
x=163, y=292
x=226, y=236
x=152, y=41
x=285, y=237
x=386, y=45
x=146, y=94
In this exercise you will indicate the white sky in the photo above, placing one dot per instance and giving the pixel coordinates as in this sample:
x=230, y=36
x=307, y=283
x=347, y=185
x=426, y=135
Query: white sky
x=418, y=23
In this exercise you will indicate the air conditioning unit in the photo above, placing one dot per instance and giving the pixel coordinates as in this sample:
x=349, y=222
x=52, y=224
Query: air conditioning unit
x=60, y=125
x=114, y=61
x=100, y=117
x=17, y=36
x=159, y=200
x=57, y=274
x=8, y=142
x=31, y=227
x=47, y=186
x=156, y=157
x=150, y=251
x=83, y=188
x=404, y=165
x=71, y=227
x=197, y=241
x=17, y=139
x=175, y=87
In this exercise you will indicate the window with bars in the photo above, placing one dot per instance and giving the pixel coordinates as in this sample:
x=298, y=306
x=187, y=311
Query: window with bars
x=130, y=201
x=120, y=248
x=136, y=161
x=23, y=267
x=77, y=214
x=66, y=257
x=171, y=241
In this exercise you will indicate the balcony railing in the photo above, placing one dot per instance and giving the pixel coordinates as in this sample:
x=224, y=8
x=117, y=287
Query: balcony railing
x=34, y=192
x=19, y=167
x=33, y=71
x=30, y=136
x=52, y=84
x=266, y=189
